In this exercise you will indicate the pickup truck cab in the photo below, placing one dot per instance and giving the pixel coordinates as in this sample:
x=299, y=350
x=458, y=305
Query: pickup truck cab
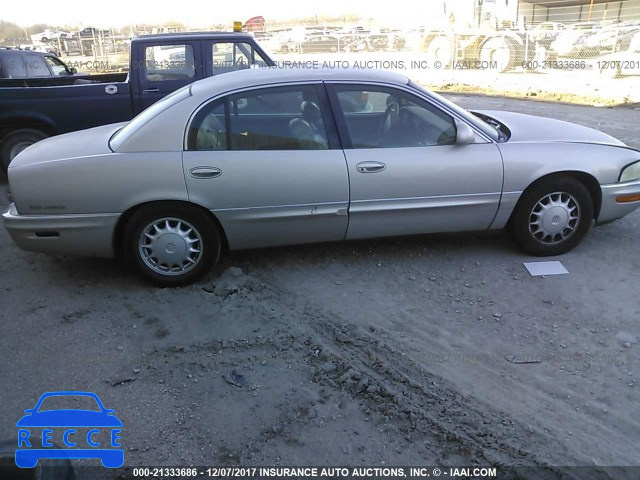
x=21, y=64
x=32, y=109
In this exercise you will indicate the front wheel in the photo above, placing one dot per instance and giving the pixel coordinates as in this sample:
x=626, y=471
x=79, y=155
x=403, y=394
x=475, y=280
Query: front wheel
x=171, y=244
x=16, y=142
x=553, y=216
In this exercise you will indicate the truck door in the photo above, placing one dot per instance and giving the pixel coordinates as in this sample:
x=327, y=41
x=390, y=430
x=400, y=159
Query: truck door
x=162, y=67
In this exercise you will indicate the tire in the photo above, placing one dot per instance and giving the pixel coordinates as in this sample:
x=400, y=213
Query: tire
x=196, y=229
x=439, y=50
x=284, y=49
x=17, y=141
x=333, y=49
x=500, y=50
x=538, y=203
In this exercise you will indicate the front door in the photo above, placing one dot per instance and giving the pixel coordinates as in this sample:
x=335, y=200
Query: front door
x=407, y=175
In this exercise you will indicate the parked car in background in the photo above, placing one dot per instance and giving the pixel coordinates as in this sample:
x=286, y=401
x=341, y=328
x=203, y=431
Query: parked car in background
x=607, y=40
x=320, y=43
x=91, y=32
x=269, y=157
x=49, y=35
x=565, y=43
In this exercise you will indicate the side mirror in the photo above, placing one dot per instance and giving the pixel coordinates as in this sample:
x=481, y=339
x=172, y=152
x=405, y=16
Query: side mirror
x=464, y=134
x=73, y=70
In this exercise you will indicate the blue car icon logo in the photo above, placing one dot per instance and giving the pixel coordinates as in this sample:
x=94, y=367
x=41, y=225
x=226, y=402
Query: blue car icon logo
x=92, y=432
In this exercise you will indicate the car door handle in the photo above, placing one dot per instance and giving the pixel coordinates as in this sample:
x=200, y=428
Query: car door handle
x=205, y=172
x=150, y=90
x=370, y=167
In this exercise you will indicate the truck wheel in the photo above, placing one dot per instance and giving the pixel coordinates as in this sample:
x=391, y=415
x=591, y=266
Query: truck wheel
x=16, y=142
x=171, y=244
x=439, y=50
x=499, y=50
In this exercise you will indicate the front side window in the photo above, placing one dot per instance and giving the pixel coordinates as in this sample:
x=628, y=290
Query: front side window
x=380, y=117
x=57, y=67
x=169, y=62
x=230, y=56
x=281, y=118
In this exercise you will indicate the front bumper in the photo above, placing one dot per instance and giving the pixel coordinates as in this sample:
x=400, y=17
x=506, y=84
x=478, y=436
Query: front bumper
x=89, y=235
x=611, y=209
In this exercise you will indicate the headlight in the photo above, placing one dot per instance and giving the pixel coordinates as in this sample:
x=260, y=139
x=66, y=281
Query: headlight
x=630, y=172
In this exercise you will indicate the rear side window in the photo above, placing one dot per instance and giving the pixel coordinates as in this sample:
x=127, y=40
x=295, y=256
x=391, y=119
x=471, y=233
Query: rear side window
x=13, y=66
x=36, y=66
x=279, y=118
x=169, y=62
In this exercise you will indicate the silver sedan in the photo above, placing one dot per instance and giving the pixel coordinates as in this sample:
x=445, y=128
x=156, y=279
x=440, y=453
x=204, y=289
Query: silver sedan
x=271, y=157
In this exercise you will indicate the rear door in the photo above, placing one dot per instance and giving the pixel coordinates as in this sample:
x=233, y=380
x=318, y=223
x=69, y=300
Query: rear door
x=268, y=163
x=163, y=67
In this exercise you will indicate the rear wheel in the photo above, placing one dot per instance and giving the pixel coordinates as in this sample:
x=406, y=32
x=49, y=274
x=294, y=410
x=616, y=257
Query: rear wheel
x=16, y=142
x=171, y=244
x=553, y=216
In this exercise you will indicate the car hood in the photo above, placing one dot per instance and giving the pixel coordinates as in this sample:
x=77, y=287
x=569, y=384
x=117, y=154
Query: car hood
x=529, y=128
x=94, y=141
x=69, y=418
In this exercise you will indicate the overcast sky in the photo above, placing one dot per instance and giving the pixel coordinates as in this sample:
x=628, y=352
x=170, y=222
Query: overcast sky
x=202, y=12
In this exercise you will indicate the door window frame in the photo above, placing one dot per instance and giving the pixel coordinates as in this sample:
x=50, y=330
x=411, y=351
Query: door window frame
x=328, y=116
x=343, y=130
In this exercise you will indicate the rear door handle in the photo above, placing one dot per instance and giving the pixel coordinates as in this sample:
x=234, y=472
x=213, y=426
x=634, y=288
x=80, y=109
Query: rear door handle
x=205, y=172
x=151, y=90
x=370, y=167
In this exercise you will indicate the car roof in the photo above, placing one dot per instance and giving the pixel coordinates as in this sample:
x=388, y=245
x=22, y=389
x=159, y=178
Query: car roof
x=192, y=36
x=256, y=77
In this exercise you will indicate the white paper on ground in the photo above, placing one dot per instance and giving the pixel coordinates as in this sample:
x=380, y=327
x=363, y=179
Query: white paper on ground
x=537, y=269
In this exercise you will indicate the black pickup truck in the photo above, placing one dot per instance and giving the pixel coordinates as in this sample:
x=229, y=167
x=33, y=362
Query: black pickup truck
x=35, y=108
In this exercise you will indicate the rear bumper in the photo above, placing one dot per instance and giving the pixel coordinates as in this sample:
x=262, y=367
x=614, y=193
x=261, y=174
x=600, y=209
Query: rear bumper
x=88, y=235
x=612, y=209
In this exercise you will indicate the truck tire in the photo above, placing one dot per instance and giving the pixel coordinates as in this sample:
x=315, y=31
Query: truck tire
x=439, y=50
x=17, y=141
x=500, y=50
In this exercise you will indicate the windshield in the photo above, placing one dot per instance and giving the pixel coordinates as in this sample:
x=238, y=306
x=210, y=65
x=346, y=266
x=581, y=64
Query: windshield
x=468, y=116
x=122, y=135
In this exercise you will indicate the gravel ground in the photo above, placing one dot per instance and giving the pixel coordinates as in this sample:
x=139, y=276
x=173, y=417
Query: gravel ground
x=400, y=351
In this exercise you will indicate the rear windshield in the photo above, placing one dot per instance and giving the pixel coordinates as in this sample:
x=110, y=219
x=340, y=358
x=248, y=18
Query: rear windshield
x=121, y=136
x=13, y=66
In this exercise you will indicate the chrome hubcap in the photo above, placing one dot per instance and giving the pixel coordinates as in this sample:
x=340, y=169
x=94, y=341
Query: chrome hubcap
x=170, y=246
x=554, y=218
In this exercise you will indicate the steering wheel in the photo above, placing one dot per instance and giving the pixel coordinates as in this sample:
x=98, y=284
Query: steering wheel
x=390, y=117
